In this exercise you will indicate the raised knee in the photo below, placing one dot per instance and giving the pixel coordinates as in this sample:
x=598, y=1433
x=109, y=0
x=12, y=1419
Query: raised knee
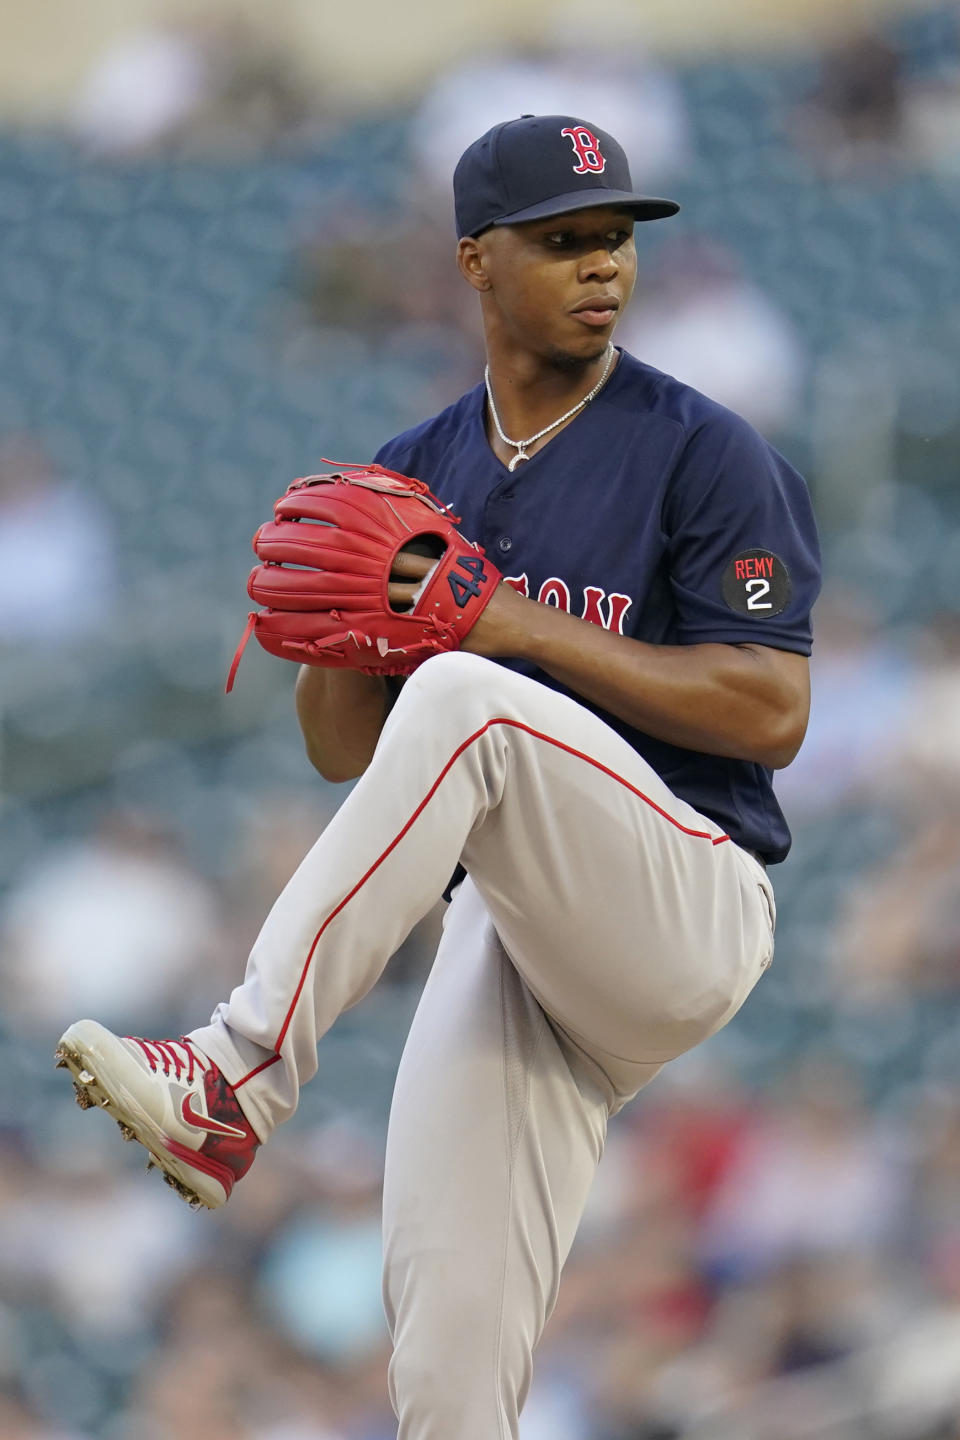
x=455, y=668
x=451, y=681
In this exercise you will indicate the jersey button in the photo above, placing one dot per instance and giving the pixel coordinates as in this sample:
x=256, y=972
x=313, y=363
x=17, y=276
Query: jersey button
x=504, y=544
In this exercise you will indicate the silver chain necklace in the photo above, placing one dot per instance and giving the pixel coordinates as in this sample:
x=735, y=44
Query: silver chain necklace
x=521, y=446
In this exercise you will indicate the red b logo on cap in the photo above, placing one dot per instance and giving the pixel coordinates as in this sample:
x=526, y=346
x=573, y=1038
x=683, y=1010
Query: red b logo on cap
x=586, y=147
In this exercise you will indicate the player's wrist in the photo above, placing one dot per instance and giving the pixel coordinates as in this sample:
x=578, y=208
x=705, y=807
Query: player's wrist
x=503, y=631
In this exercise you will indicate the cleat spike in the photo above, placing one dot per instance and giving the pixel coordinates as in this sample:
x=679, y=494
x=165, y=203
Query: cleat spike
x=126, y=1131
x=151, y=1165
x=83, y=1099
x=191, y=1196
x=61, y=1061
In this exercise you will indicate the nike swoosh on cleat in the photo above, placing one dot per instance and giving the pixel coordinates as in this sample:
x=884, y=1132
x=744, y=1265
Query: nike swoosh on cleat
x=207, y=1122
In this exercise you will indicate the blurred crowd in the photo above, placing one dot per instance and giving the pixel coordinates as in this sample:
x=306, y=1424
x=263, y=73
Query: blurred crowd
x=772, y=1248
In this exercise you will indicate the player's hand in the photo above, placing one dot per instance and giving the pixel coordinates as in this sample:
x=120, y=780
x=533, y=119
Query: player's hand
x=499, y=629
x=413, y=569
x=502, y=630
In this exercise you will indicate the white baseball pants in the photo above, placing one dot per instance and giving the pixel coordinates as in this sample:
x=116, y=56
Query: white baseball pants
x=604, y=928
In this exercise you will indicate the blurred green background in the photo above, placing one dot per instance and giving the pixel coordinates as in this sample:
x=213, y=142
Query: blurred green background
x=226, y=250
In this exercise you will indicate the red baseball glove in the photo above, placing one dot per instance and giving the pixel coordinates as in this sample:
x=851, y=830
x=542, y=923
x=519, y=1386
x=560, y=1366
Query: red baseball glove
x=326, y=561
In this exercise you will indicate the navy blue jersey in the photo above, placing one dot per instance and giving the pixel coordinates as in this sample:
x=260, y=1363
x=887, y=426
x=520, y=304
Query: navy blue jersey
x=656, y=513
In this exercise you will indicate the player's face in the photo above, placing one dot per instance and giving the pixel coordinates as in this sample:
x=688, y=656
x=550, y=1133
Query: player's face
x=558, y=286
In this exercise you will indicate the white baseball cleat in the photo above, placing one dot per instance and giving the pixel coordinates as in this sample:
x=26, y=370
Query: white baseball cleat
x=170, y=1097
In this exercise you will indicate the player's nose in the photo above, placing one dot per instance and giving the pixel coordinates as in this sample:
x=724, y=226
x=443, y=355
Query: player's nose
x=600, y=264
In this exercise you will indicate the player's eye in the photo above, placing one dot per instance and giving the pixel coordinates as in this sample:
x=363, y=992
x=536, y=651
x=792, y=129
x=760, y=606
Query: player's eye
x=572, y=239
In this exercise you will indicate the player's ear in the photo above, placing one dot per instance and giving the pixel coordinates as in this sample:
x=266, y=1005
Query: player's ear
x=470, y=260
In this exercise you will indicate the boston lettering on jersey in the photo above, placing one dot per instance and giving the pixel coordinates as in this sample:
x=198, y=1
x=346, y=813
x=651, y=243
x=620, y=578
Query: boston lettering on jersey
x=657, y=514
x=598, y=607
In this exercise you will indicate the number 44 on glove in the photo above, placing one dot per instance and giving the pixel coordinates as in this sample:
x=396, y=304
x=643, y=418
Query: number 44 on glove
x=325, y=567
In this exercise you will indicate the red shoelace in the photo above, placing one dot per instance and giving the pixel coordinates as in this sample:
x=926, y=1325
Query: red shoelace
x=166, y=1052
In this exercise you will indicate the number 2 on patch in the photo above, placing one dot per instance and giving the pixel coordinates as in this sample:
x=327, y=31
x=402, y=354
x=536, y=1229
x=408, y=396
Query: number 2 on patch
x=467, y=589
x=756, y=589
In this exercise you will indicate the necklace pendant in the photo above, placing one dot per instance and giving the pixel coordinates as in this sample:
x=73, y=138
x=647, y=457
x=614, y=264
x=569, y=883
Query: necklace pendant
x=521, y=445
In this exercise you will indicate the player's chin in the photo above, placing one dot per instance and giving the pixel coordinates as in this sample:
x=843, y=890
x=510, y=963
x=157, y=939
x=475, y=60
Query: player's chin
x=572, y=352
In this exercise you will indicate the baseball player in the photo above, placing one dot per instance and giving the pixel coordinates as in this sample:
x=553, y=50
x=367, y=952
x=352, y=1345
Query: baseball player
x=592, y=763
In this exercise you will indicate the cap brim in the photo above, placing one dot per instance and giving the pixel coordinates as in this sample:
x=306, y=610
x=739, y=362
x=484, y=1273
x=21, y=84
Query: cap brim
x=641, y=207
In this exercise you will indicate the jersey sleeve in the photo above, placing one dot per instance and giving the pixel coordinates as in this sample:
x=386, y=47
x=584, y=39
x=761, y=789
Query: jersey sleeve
x=744, y=560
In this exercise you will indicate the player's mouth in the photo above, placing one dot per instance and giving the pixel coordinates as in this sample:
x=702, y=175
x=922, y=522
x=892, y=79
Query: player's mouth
x=597, y=310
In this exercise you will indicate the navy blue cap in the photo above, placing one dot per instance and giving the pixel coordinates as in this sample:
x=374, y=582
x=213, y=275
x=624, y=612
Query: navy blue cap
x=542, y=165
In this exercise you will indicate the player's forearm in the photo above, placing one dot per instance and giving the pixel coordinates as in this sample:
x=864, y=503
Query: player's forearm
x=341, y=714
x=746, y=702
